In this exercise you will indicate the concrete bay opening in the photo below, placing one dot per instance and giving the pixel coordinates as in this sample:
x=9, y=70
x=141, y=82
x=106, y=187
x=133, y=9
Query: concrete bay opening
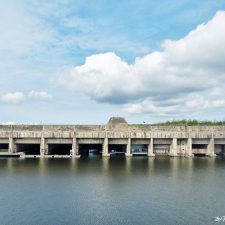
x=199, y=149
x=139, y=149
x=161, y=149
x=90, y=149
x=59, y=149
x=29, y=149
x=220, y=149
x=117, y=149
x=4, y=147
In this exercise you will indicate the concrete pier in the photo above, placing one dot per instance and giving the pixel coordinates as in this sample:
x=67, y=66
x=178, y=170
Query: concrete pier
x=128, y=149
x=11, y=145
x=173, y=147
x=150, y=148
x=105, y=151
x=211, y=147
x=117, y=136
x=189, y=147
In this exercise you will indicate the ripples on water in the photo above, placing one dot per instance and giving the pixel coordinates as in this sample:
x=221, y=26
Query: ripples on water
x=127, y=191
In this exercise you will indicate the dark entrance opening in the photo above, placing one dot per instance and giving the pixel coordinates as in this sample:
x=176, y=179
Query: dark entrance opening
x=90, y=149
x=59, y=149
x=220, y=149
x=4, y=147
x=139, y=150
x=199, y=146
x=199, y=149
x=29, y=149
x=119, y=149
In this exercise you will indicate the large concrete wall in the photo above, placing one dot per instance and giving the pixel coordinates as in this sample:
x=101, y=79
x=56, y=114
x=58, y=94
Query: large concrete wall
x=124, y=131
x=179, y=138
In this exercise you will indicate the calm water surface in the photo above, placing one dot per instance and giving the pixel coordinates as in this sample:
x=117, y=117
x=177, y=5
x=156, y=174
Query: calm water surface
x=123, y=191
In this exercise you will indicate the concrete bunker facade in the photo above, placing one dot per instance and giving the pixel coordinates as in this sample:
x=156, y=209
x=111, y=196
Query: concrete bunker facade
x=115, y=138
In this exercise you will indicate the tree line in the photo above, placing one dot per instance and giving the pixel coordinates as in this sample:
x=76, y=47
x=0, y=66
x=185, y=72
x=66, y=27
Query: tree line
x=192, y=122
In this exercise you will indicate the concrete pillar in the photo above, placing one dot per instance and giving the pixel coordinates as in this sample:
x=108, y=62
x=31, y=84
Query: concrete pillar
x=74, y=150
x=211, y=147
x=43, y=147
x=173, y=147
x=189, y=147
x=12, y=146
x=150, y=148
x=128, y=149
x=105, y=151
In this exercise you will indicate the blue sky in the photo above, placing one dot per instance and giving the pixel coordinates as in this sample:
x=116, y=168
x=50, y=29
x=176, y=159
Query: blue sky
x=81, y=62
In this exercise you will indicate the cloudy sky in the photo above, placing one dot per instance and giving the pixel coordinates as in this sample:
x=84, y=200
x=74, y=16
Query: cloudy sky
x=80, y=61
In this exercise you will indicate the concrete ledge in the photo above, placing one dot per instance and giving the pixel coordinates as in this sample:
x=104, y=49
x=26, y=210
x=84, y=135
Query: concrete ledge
x=106, y=155
x=161, y=155
x=140, y=153
x=45, y=156
x=75, y=156
x=172, y=155
x=151, y=155
x=57, y=156
x=32, y=156
x=128, y=154
x=9, y=155
x=211, y=155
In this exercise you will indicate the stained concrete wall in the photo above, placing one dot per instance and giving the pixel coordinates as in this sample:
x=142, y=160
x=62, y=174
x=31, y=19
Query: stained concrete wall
x=125, y=131
x=180, y=138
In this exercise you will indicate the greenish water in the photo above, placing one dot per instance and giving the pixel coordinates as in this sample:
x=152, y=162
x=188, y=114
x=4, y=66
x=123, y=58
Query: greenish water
x=123, y=191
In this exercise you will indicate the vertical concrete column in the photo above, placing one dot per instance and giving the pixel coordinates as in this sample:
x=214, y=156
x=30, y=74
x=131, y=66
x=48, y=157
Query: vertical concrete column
x=105, y=151
x=189, y=147
x=43, y=147
x=173, y=147
x=211, y=147
x=128, y=149
x=150, y=148
x=74, y=152
x=12, y=146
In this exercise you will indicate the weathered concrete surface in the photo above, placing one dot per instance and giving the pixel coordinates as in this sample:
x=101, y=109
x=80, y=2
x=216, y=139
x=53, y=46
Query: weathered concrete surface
x=173, y=140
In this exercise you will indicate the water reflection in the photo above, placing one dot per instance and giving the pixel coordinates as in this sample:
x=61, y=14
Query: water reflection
x=124, y=191
x=111, y=166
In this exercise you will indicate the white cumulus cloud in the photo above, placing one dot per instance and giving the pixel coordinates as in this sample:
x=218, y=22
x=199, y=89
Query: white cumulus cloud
x=13, y=97
x=19, y=97
x=40, y=95
x=186, y=76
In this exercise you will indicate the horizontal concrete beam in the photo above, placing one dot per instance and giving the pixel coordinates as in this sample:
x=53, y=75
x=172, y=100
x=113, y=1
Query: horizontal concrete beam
x=58, y=140
x=111, y=141
x=220, y=141
x=27, y=141
x=118, y=141
x=200, y=141
x=4, y=140
x=140, y=141
x=111, y=134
